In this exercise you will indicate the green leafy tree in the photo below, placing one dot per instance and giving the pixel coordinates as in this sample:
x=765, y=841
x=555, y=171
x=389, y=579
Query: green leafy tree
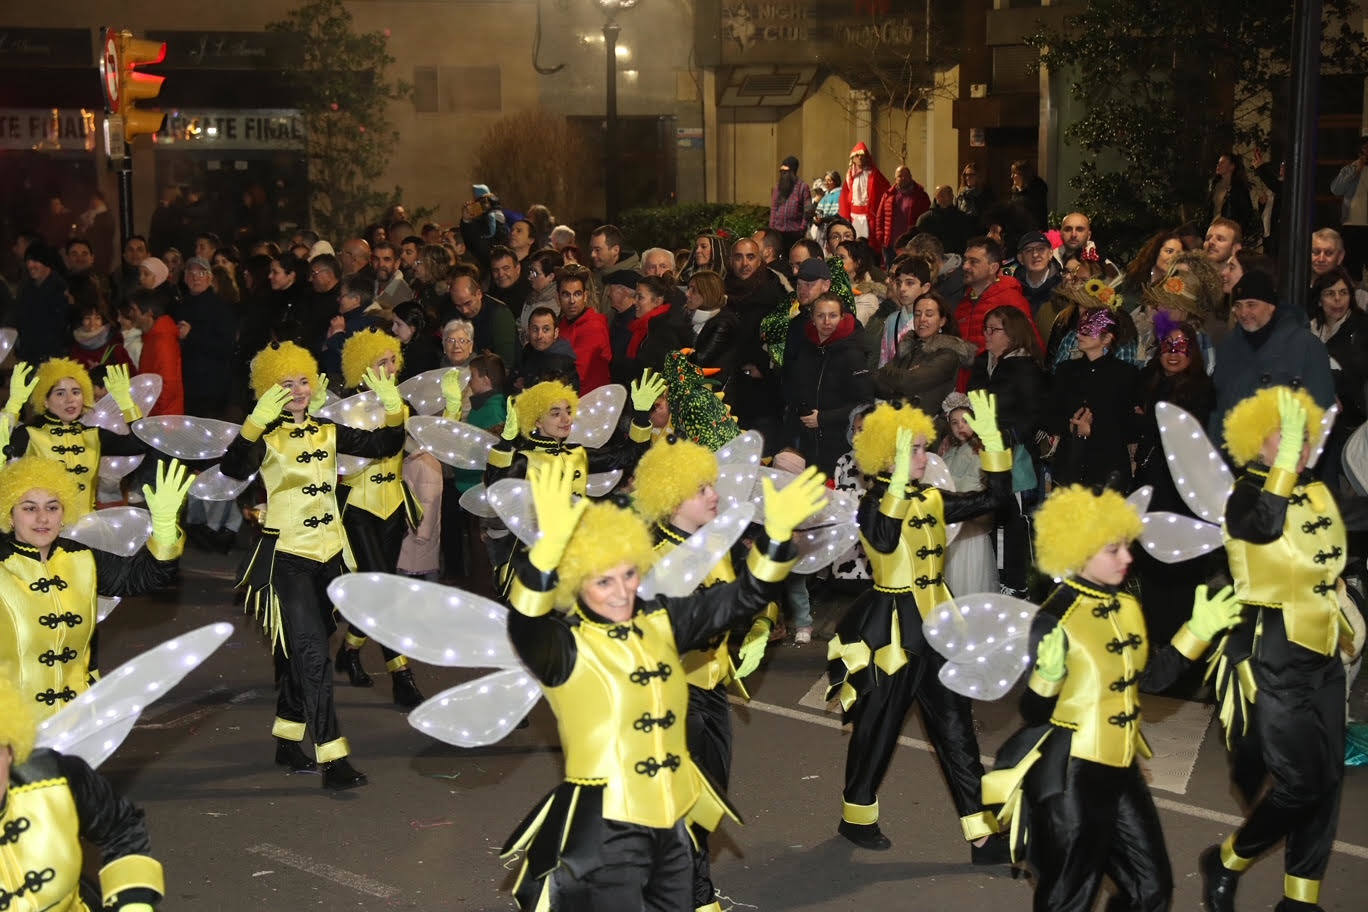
x=1165, y=87
x=338, y=78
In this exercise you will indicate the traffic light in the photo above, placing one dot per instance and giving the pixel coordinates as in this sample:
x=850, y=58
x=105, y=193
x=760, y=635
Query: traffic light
x=135, y=86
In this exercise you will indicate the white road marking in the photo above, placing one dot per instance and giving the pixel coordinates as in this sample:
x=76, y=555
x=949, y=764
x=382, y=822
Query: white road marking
x=349, y=879
x=1168, y=804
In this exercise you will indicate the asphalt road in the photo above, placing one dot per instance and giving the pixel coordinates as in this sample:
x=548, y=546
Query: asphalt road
x=236, y=833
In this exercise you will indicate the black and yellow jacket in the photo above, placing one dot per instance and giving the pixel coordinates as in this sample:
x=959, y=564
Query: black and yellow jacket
x=712, y=666
x=75, y=446
x=620, y=698
x=53, y=803
x=48, y=610
x=512, y=458
x=379, y=488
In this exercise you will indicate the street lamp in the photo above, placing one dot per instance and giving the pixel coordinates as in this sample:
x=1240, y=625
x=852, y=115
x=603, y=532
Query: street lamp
x=610, y=134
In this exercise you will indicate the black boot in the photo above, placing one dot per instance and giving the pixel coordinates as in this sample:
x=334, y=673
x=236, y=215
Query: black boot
x=1218, y=882
x=995, y=851
x=289, y=753
x=339, y=774
x=865, y=835
x=1296, y=905
x=406, y=692
x=349, y=661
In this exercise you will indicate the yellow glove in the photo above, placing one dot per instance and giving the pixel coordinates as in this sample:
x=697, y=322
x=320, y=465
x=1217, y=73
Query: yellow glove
x=6, y=428
x=451, y=392
x=23, y=382
x=510, y=429
x=557, y=512
x=902, y=464
x=787, y=507
x=382, y=384
x=120, y=387
x=164, y=503
x=647, y=390
x=270, y=406
x=982, y=417
x=1050, y=655
x=320, y=394
x=1292, y=419
x=753, y=647
x=1212, y=614
x=136, y=907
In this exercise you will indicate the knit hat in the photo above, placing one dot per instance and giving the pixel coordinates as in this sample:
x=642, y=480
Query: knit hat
x=629, y=277
x=159, y=270
x=791, y=163
x=1255, y=285
x=42, y=253
x=198, y=263
x=319, y=248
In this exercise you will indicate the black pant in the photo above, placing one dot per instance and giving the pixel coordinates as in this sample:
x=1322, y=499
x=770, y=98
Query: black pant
x=1103, y=822
x=1298, y=725
x=644, y=870
x=709, y=734
x=304, y=677
x=375, y=545
x=1015, y=544
x=878, y=719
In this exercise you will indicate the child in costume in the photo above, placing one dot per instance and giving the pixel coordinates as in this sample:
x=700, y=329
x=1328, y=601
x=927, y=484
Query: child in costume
x=612, y=835
x=49, y=585
x=1070, y=779
x=49, y=804
x=303, y=544
x=378, y=508
x=1279, y=675
x=879, y=663
x=674, y=492
x=60, y=393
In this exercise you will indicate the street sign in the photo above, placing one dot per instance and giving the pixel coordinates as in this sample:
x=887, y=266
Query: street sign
x=109, y=69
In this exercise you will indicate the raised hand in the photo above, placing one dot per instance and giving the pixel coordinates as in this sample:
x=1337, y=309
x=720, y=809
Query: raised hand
x=646, y=390
x=1292, y=418
x=982, y=417
x=270, y=406
x=165, y=500
x=787, y=507
x=902, y=463
x=451, y=393
x=510, y=428
x=557, y=512
x=320, y=394
x=23, y=382
x=120, y=387
x=382, y=383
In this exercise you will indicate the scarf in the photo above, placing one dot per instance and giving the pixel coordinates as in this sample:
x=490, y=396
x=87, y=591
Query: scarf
x=640, y=326
x=92, y=339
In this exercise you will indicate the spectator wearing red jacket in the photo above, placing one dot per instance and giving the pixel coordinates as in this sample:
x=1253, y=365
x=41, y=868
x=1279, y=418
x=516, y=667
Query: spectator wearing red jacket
x=862, y=192
x=584, y=328
x=161, y=351
x=898, y=212
x=985, y=288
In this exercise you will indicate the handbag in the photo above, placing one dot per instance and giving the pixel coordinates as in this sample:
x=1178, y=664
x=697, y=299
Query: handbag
x=1023, y=470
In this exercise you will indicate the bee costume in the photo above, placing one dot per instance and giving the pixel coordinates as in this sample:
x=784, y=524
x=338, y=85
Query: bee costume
x=76, y=447
x=671, y=472
x=53, y=803
x=1069, y=780
x=879, y=663
x=611, y=836
x=1278, y=675
x=302, y=547
x=48, y=604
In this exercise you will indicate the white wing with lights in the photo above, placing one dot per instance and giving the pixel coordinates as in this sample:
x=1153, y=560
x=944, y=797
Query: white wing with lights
x=118, y=530
x=680, y=571
x=461, y=445
x=985, y=640
x=597, y=416
x=146, y=389
x=187, y=437
x=424, y=391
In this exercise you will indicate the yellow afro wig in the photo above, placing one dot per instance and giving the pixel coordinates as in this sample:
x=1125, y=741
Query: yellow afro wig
x=1252, y=419
x=277, y=361
x=23, y=475
x=363, y=349
x=877, y=440
x=669, y=473
x=606, y=537
x=1074, y=524
x=536, y=401
x=18, y=728
x=53, y=371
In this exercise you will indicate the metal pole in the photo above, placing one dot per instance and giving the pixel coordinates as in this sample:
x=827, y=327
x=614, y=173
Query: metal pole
x=126, y=196
x=1299, y=183
x=610, y=135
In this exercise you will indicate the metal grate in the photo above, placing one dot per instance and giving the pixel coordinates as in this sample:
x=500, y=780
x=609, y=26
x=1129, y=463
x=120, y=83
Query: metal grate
x=761, y=84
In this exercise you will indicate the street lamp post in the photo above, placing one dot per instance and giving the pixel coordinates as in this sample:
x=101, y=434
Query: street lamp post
x=610, y=133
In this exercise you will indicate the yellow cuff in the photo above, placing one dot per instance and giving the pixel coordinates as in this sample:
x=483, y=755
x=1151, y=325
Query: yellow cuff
x=1301, y=889
x=976, y=826
x=529, y=602
x=860, y=814
x=355, y=642
x=397, y=419
x=767, y=570
x=167, y=551
x=332, y=750
x=132, y=413
x=398, y=663
x=132, y=872
x=996, y=461
x=287, y=730
x=893, y=506
x=1188, y=643
x=1229, y=860
x=639, y=434
x=1043, y=685
x=251, y=430
x=500, y=459
x=771, y=613
x=1280, y=482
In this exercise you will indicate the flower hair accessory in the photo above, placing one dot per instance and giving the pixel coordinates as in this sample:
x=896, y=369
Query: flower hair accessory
x=1089, y=254
x=1103, y=293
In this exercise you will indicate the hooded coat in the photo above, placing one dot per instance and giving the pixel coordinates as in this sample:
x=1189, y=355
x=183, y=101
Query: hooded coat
x=1006, y=291
x=832, y=378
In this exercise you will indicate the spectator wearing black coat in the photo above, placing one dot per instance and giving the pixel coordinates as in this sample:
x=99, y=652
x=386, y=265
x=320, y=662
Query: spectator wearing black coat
x=1231, y=197
x=1344, y=330
x=715, y=326
x=753, y=292
x=825, y=376
x=619, y=292
x=41, y=313
x=208, y=331
x=1030, y=192
x=546, y=356
x=422, y=352
x=659, y=327
x=944, y=220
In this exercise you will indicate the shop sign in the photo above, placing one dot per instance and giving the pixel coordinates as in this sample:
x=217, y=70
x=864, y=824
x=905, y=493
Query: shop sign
x=227, y=50
x=796, y=31
x=245, y=129
x=43, y=47
x=47, y=129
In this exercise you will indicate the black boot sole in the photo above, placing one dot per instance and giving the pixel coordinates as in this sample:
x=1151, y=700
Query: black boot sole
x=351, y=667
x=866, y=836
x=1214, y=878
x=295, y=758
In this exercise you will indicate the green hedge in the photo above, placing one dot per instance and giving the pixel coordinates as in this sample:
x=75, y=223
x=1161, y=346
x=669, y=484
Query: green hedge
x=677, y=226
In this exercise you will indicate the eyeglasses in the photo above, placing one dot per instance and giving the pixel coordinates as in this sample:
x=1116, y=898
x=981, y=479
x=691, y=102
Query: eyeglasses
x=534, y=273
x=454, y=341
x=992, y=330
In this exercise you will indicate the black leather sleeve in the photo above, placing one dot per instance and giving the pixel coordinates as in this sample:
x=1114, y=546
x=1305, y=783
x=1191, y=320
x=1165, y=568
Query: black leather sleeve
x=880, y=532
x=385, y=441
x=243, y=457
x=962, y=505
x=123, y=576
x=112, y=444
x=697, y=618
x=546, y=644
x=1253, y=514
x=107, y=820
x=1036, y=709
